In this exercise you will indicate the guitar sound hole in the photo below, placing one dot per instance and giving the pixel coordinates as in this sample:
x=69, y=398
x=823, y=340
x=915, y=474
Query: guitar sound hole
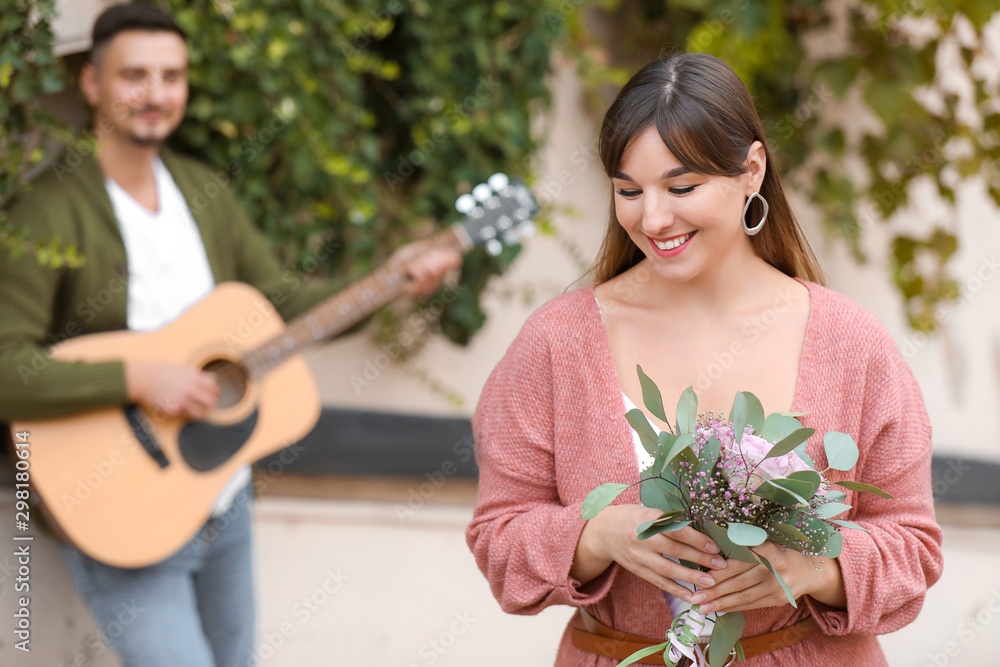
x=232, y=378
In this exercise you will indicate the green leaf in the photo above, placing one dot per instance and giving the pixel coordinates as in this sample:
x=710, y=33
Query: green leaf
x=747, y=410
x=864, y=488
x=684, y=442
x=687, y=412
x=778, y=426
x=835, y=496
x=797, y=485
x=657, y=528
x=790, y=532
x=709, y=455
x=841, y=452
x=777, y=575
x=658, y=493
x=829, y=510
x=642, y=653
x=728, y=630
x=810, y=477
x=778, y=494
x=726, y=546
x=849, y=524
x=738, y=415
x=790, y=442
x=746, y=535
x=600, y=498
x=651, y=396
x=834, y=545
x=647, y=436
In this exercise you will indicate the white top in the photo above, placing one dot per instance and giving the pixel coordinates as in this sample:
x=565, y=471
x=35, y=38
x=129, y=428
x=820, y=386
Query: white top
x=168, y=270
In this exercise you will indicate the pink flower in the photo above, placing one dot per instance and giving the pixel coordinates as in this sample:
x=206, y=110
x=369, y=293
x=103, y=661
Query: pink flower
x=751, y=470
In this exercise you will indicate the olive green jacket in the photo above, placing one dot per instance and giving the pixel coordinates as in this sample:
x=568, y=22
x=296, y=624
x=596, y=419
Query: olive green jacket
x=40, y=305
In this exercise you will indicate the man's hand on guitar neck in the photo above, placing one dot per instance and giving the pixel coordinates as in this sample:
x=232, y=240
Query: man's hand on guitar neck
x=175, y=389
x=425, y=268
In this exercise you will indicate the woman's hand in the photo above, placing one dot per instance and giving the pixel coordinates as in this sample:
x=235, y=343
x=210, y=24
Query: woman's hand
x=611, y=537
x=743, y=586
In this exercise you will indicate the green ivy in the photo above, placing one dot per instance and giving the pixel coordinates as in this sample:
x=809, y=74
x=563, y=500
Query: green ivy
x=350, y=126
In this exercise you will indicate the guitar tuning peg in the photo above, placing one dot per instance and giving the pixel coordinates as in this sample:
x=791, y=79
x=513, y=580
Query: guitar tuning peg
x=465, y=203
x=482, y=192
x=498, y=181
x=493, y=247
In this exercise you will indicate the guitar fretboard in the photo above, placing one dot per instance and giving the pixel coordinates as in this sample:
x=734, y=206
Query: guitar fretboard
x=345, y=308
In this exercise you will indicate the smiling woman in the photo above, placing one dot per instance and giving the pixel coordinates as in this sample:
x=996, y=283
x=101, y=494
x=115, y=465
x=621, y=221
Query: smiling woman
x=701, y=243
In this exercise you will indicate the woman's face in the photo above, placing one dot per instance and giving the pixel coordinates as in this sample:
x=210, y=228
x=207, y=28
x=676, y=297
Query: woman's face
x=684, y=222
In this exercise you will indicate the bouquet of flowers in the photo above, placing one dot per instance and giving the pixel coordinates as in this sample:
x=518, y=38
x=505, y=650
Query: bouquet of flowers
x=740, y=481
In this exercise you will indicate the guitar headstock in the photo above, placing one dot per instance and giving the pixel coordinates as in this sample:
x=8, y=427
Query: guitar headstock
x=497, y=213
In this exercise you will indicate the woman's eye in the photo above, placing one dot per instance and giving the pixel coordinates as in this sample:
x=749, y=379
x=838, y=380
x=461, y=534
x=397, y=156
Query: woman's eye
x=682, y=191
x=628, y=194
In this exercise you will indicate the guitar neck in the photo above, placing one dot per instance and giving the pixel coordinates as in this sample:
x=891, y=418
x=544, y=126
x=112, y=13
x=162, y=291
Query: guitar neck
x=346, y=308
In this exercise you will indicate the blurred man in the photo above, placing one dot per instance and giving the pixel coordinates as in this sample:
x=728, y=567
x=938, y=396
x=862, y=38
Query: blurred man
x=151, y=253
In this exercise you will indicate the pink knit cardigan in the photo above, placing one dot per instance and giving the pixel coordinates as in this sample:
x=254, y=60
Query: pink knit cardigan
x=550, y=427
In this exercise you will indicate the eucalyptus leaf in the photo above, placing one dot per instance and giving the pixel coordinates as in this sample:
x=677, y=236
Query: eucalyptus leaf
x=849, y=524
x=835, y=495
x=651, y=396
x=647, y=436
x=792, y=414
x=777, y=575
x=728, y=630
x=834, y=545
x=790, y=442
x=687, y=412
x=778, y=426
x=841, y=452
x=657, y=492
x=791, y=532
x=600, y=498
x=657, y=528
x=738, y=415
x=829, y=510
x=810, y=477
x=643, y=653
x=684, y=442
x=864, y=488
x=778, y=494
x=726, y=546
x=745, y=534
x=709, y=455
x=796, y=484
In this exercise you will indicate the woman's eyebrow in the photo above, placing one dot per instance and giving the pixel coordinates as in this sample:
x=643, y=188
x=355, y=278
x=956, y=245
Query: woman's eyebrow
x=673, y=173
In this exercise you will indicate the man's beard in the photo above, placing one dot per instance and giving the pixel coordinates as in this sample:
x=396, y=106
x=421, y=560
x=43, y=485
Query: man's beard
x=146, y=142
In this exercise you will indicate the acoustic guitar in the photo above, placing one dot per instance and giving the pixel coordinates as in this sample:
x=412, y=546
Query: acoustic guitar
x=129, y=486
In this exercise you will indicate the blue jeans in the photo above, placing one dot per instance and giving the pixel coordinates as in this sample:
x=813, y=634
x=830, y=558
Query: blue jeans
x=194, y=609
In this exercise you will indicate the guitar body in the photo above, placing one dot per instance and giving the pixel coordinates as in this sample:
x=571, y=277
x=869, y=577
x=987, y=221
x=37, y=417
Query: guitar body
x=117, y=501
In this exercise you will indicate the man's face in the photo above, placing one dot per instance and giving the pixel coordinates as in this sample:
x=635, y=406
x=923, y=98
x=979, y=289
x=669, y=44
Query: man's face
x=138, y=86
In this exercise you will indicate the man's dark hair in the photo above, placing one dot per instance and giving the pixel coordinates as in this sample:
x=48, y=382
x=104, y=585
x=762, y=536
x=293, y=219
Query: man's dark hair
x=120, y=18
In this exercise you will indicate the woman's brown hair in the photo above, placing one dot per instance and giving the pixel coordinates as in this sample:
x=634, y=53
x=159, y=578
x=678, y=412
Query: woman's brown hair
x=708, y=121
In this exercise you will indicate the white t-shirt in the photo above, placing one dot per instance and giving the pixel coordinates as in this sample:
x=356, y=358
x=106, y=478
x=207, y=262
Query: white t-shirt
x=168, y=270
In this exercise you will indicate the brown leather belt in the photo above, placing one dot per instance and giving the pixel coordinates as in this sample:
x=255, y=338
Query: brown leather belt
x=604, y=640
